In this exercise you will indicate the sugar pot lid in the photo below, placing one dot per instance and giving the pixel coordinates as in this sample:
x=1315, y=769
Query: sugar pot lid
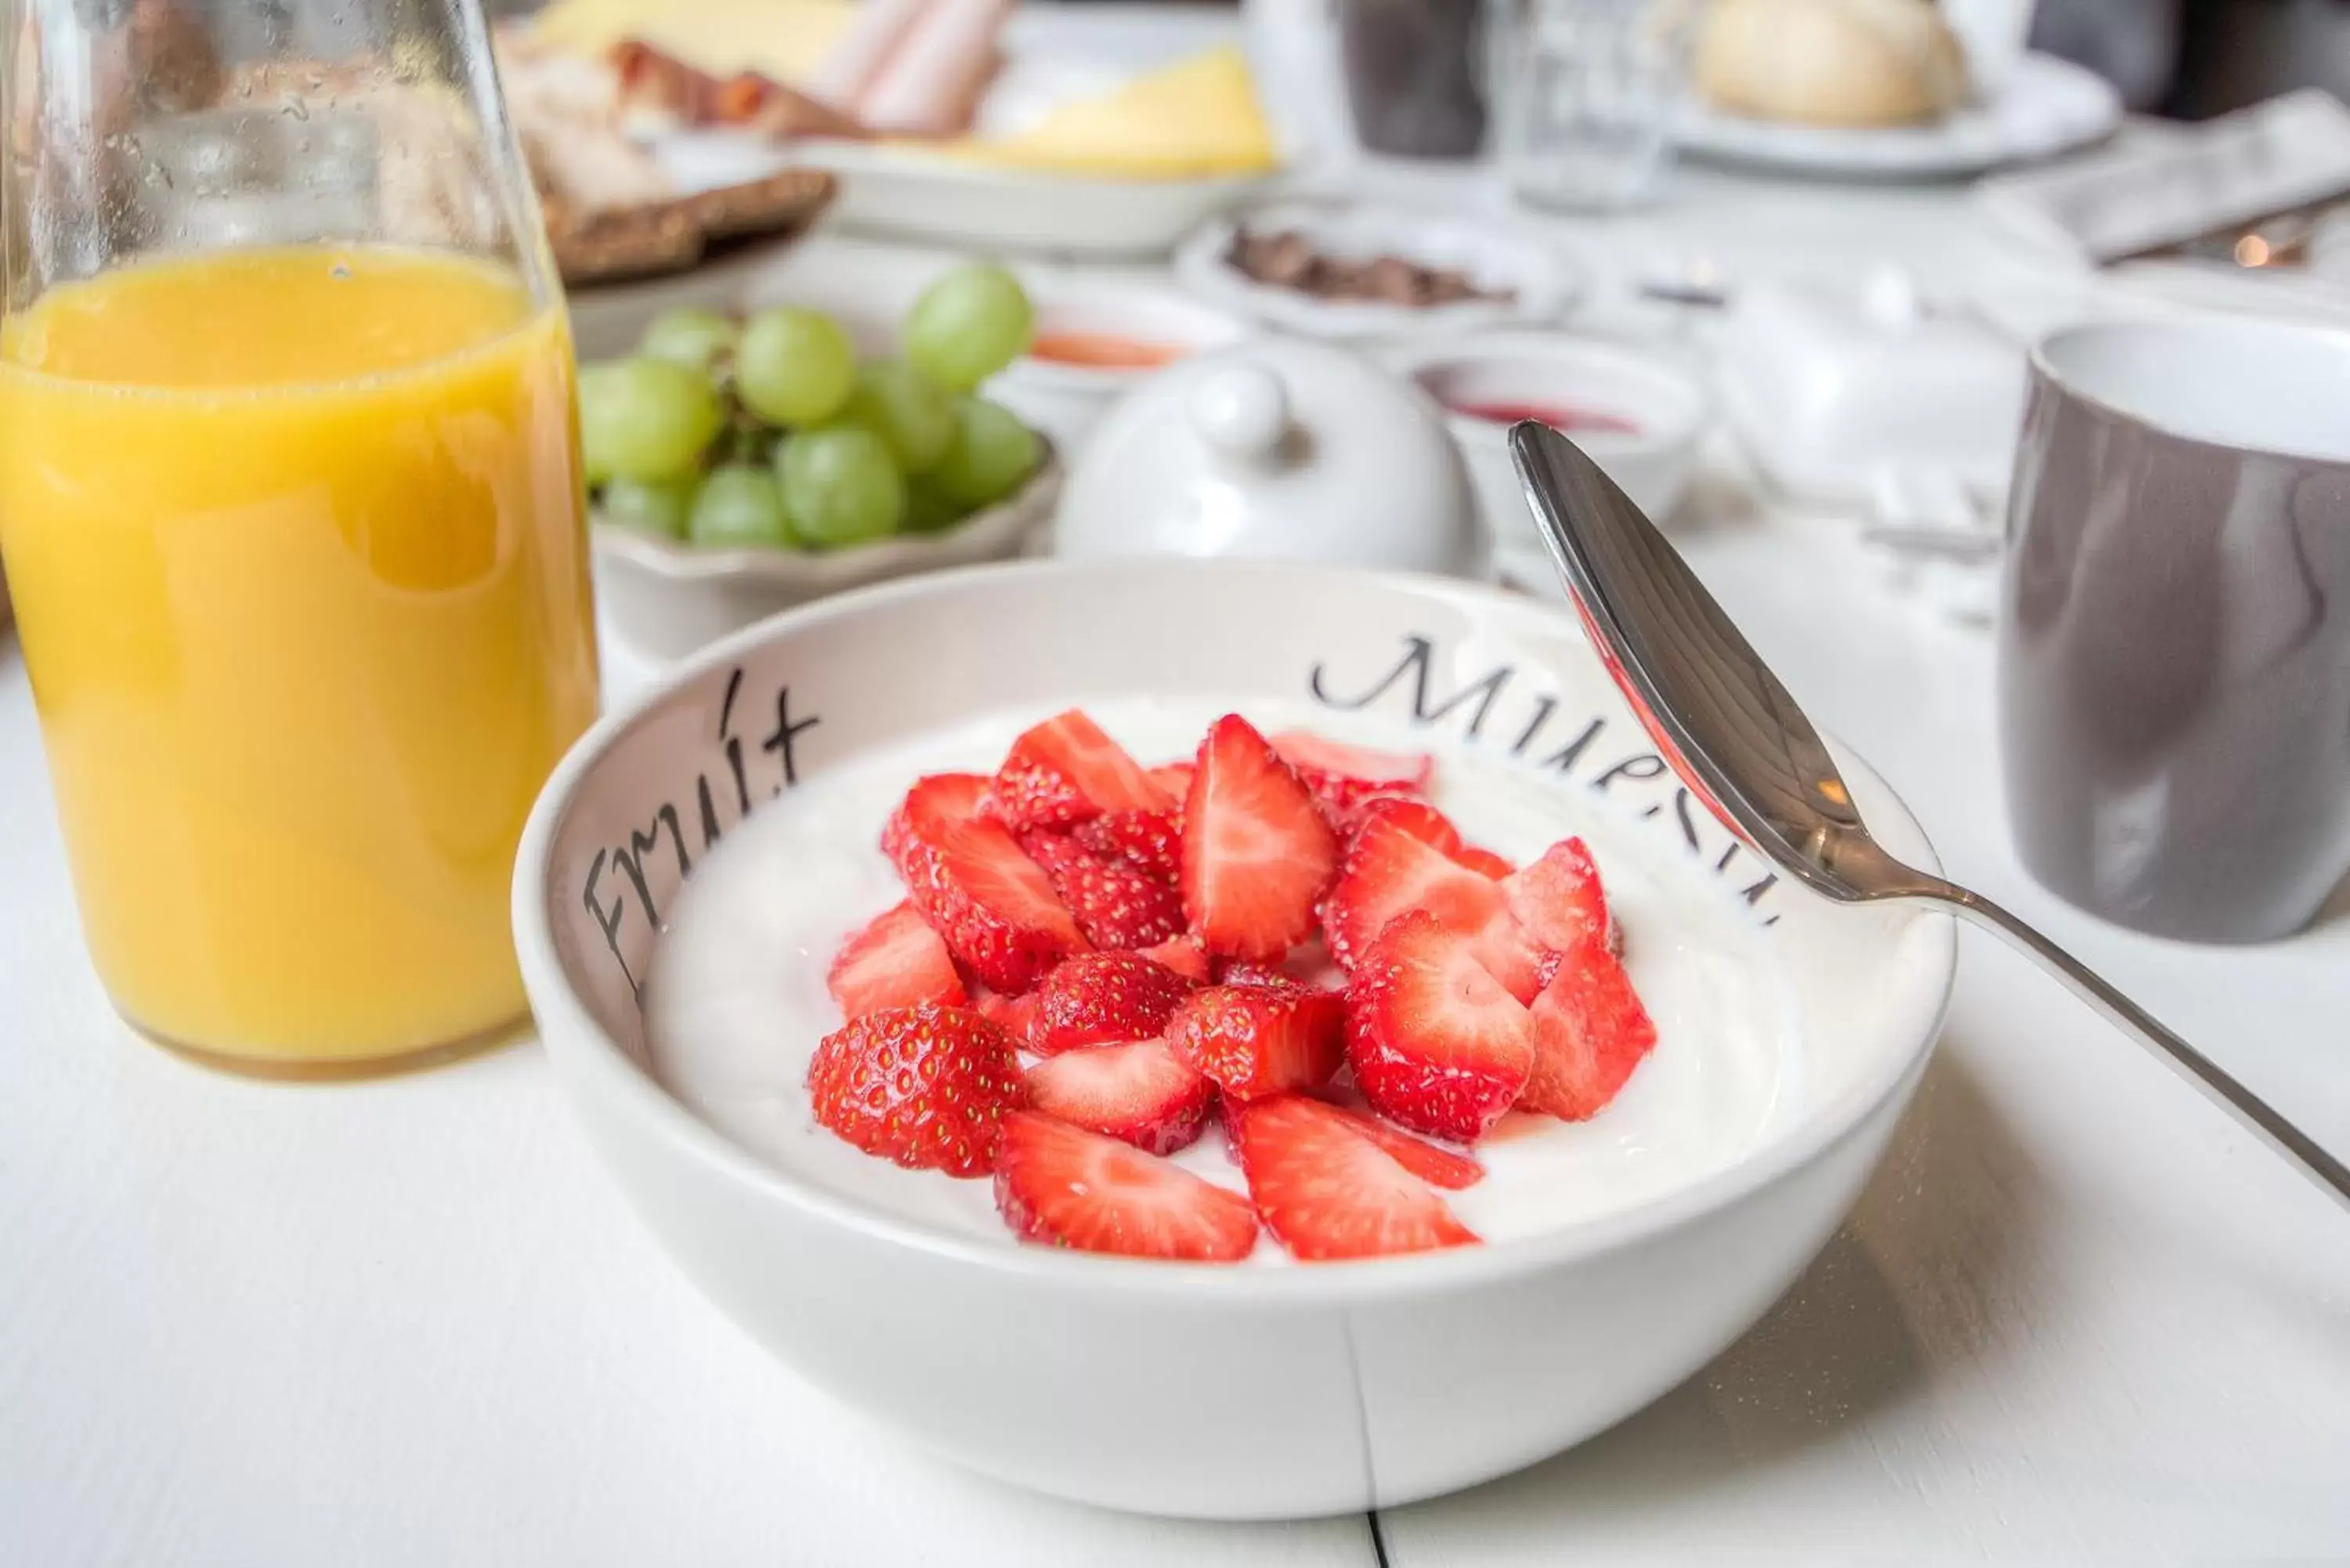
x=1276, y=448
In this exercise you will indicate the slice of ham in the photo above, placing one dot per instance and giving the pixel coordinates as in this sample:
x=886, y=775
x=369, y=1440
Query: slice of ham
x=850, y=69
x=931, y=84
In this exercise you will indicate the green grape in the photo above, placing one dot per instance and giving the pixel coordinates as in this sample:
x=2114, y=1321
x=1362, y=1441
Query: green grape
x=794, y=366
x=660, y=508
x=968, y=325
x=693, y=338
x=991, y=455
x=739, y=505
x=645, y=418
x=841, y=486
x=898, y=404
x=928, y=511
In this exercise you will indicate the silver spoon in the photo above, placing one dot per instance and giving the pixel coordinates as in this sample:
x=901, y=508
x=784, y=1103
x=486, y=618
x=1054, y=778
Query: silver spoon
x=1735, y=737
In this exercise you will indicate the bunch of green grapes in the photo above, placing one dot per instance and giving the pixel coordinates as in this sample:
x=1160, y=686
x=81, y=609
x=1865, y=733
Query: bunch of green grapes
x=771, y=431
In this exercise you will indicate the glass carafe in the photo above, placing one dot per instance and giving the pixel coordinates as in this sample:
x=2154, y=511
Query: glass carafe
x=291, y=504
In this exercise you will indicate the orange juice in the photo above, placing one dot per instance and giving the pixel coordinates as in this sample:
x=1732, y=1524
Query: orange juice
x=297, y=538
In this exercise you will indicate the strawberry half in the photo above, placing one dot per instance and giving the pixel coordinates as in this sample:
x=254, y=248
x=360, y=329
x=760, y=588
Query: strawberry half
x=927, y=1088
x=1558, y=900
x=895, y=960
x=1065, y=771
x=1256, y=851
x=1153, y=840
x=1117, y=903
x=1438, y=1167
x=1437, y=1045
x=1071, y=1188
x=1255, y=1041
x=995, y=906
x=1390, y=869
x=1105, y=998
x=1329, y=1191
x=1182, y=954
x=1589, y=1033
x=1140, y=1093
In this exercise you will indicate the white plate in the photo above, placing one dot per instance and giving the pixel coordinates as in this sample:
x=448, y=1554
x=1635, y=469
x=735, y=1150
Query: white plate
x=2047, y=106
x=1251, y=1392
x=1494, y=256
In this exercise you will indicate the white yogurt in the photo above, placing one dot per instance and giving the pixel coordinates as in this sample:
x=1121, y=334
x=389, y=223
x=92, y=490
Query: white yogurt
x=736, y=1001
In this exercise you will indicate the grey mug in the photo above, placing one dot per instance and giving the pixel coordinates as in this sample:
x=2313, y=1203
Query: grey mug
x=2174, y=659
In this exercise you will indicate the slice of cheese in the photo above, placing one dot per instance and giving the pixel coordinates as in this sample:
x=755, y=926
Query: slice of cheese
x=1197, y=116
x=780, y=39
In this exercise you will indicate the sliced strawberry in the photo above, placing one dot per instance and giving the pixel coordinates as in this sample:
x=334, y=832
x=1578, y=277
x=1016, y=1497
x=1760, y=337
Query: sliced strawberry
x=1404, y=771
x=937, y=797
x=1390, y=869
x=1140, y=1093
x=895, y=960
x=1061, y=1184
x=1255, y=1041
x=1065, y=771
x=1105, y=998
x=1433, y=828
x=1117, y=903
x=995, y=906
x=1175, y=778
x=1242, y=971
x=1418, y=818
x=1257, y=852
x=1153, y=840
x=1012, y=1014
x=1485, y=863
x=927, y=1088
x=1439, y=1166
x=1557, y=900
x=1437, y=1045
x=1182, y=954
x=1350, y=780
x=1589, y=1033
x=1329, y=1191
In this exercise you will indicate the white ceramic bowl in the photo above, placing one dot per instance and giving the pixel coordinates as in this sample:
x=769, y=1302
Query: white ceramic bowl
x=1256, y=1392
x=1664, y=401
x=1065, y=400
x=907, y=195
x=666, y=599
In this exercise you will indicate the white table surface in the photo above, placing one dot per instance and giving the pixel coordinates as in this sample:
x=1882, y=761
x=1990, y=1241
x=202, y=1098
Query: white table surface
x=2075, y=1318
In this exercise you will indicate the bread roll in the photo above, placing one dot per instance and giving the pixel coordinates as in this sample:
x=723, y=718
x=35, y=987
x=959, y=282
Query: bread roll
x=1851, y=63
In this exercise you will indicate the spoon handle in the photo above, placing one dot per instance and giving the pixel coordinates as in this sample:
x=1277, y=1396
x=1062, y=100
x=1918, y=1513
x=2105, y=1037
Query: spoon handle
x=2254, y=1113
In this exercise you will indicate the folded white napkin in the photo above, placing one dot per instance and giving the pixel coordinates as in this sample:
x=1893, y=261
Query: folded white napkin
x=2145, y=193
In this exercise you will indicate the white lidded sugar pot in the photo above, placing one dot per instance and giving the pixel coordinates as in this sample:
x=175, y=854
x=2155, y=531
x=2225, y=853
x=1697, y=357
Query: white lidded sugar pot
x=1276, y=448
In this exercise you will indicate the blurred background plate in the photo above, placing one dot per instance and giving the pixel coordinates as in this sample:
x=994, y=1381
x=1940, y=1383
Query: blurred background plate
x=918, y=197
x=2047, y=106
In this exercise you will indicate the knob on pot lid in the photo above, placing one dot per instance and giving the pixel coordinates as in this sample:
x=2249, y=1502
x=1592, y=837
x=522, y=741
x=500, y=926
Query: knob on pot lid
x=1275, y=448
